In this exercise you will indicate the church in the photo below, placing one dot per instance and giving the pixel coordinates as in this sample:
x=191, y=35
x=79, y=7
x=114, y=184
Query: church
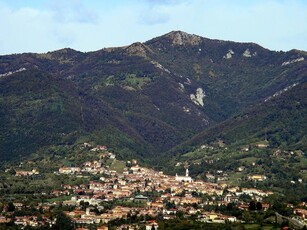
x=185, y=178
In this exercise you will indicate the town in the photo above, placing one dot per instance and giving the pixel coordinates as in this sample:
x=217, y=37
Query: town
x=135, y=197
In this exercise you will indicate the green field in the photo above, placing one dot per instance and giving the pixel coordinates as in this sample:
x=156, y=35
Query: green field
x=118, y=166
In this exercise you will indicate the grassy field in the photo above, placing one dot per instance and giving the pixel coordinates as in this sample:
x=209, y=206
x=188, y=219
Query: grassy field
x=234, y=179
x=118, y=166
x=248, y=160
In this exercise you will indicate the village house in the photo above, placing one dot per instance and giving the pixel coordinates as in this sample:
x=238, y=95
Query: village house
x=4, y=220
x=210, y=177
x=301, y=213
x=31, y=221
x=103, y=228
x=26, y=173
x=212, y=217
x=241, y=168
x=156, y=205
x=150, y=225
x=257, y=177
x=263, y=144
x=231, y=198
x=253, y=191
x=18, y=205
x=69, y=170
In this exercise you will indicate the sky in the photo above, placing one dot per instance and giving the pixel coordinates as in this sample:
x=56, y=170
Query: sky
x=87, y=25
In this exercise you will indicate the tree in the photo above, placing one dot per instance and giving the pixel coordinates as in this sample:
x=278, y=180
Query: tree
x=1, y=207
x=246, y=216
x=245, y=197
x=179, y=214
x=63, y=222
x=170, y=205
x=252, y=206
x=230, y=206
x=10, y=207
x=258, y=206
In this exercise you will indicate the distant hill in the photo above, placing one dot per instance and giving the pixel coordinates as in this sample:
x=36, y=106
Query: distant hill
x=146, y=98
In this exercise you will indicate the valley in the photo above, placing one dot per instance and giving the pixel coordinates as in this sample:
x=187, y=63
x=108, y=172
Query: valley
x=118, y=124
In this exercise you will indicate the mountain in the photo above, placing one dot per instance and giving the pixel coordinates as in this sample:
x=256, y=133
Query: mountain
x=146, y=98
x=279, y=121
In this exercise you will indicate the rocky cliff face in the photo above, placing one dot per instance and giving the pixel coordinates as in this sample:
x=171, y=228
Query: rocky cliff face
x=181, y=38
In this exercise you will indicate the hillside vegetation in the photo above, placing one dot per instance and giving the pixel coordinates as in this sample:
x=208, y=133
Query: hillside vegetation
x=145, y=99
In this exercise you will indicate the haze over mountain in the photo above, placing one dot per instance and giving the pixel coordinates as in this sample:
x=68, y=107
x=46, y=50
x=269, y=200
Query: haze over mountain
x=145, y=99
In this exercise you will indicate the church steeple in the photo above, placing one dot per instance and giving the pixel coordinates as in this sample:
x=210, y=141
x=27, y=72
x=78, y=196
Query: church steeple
x=185, y=178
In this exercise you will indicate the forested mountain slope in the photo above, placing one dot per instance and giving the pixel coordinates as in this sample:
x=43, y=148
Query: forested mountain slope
x=143, y=99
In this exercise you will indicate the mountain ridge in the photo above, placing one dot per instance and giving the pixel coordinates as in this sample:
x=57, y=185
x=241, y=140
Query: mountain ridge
x=152, y=95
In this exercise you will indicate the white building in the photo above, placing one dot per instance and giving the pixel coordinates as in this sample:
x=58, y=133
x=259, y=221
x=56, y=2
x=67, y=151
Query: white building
x=185, y=178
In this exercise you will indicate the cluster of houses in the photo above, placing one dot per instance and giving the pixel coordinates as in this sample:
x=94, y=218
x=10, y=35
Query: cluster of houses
x=149, y=193
x=136, y=180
